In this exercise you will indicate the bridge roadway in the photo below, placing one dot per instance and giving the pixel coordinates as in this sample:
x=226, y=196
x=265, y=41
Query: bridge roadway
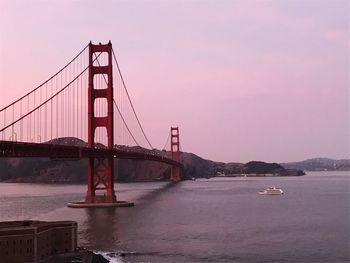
x=10, y=149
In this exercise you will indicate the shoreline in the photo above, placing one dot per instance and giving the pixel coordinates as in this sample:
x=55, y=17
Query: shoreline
x=81, y=255
x=11, y=181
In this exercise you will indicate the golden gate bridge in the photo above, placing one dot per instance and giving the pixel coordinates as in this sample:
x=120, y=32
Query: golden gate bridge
x=89, y=100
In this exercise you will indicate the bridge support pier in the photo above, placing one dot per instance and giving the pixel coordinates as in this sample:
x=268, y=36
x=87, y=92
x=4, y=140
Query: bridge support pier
x=175, y=153
x=100, y=177
x=175, y=173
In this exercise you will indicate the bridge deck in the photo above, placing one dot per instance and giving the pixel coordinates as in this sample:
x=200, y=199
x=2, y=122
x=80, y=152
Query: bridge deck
x=9, y=149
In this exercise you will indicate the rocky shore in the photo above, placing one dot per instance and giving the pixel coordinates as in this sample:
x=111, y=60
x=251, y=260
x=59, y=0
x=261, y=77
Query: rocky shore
x=80, y=256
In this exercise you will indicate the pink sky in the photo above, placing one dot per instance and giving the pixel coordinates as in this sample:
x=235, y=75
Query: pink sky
x=244, y=80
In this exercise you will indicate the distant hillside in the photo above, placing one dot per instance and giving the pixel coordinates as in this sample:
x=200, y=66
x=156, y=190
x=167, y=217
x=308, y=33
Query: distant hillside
x=71, y=170
x=320, y=164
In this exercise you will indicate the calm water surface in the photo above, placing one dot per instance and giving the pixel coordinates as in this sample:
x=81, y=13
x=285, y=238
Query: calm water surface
x=215, y=220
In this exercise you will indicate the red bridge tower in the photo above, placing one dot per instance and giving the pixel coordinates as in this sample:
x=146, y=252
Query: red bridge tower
x=175, y=153
x=100, y=170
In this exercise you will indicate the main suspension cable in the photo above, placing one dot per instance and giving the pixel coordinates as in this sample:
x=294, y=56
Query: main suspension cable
x=45, y=81
x=46, y=101
x=167, y=140
x=121, y=116
x=132, y=106
x=127, y=127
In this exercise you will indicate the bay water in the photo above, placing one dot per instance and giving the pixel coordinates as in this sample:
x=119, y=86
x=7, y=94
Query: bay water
x=206, y=220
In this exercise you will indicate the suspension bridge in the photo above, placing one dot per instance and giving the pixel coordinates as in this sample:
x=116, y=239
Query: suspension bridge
x=84, y=111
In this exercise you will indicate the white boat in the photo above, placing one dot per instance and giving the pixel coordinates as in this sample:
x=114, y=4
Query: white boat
x=272, y=191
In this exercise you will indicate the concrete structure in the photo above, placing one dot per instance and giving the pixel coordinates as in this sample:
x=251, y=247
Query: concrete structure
x=36, y=241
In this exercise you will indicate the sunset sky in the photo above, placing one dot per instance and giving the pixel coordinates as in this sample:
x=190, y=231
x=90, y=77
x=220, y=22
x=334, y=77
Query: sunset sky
x=244, y=80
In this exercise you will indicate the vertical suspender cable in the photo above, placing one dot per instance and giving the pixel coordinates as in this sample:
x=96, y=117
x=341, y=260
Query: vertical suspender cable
x=77, y=105
x=21, y=124
x=81, y=101
x=40, y=119
x=34, y=119
x=28, y=122
x=45, y=110
x=51, y=112
x=13, y=118
x=73, y=102
x=57, y=100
